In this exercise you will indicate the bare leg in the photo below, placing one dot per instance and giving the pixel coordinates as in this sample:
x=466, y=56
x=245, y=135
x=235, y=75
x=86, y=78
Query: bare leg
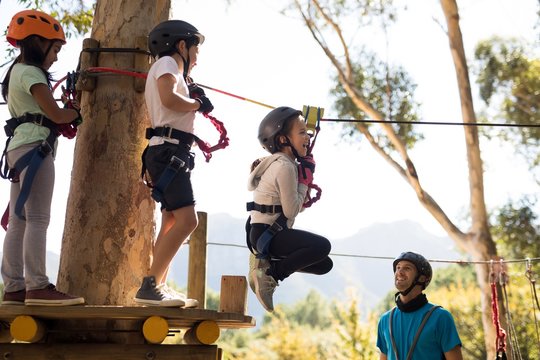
x=176, y=226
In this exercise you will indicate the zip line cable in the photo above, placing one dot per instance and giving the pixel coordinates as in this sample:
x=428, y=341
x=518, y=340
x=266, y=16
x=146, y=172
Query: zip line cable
x=458, y=262
x=97, y=71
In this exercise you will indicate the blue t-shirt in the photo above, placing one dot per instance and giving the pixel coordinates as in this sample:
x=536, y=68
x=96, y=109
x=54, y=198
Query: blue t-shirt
x=438, y=336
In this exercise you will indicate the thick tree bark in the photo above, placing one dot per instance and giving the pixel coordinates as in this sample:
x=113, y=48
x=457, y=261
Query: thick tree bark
x=480, y=244
x=109, y=228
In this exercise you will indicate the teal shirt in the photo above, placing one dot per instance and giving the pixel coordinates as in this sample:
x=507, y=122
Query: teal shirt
x=20, y=101
x=438, y=336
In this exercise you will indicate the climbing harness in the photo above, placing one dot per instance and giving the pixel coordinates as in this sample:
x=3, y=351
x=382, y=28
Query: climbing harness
x=175, y=163
x=31, y=160
x=416, y=337
x=500, y=342
x=264, y=240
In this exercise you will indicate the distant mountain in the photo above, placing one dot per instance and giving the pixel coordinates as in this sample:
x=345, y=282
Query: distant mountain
x=370, y=277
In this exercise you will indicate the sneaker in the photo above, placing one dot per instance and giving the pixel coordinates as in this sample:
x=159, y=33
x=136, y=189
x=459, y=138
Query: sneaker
x=14, y=297
x=265, y=285
x=151, y=294
x=255, y=264
x=188, y=303
x=49, y=296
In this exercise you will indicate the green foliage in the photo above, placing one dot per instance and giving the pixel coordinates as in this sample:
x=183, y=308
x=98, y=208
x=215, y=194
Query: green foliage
x=390, y=91
x=357, y=339
x=455, y=288
x=517, y=229
x=509, y=80
x=313, y=311
x=75, y=16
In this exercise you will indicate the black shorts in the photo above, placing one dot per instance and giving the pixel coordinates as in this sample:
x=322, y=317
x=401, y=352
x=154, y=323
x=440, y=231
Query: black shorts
x=179, y=192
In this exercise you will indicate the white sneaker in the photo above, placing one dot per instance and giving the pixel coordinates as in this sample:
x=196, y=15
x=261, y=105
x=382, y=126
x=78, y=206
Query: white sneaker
x=265, y=285
x=188, y=303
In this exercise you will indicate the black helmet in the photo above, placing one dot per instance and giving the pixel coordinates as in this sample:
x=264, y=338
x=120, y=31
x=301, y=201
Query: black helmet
x=164, y=36
x=422, y=266
x=272, y=124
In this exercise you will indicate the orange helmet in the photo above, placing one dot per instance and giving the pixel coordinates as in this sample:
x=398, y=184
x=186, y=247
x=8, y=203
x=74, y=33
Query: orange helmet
x=34, y=22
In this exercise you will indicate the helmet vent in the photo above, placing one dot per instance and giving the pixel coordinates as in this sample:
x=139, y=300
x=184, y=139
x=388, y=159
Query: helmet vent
x=20, y=20
x=44, y=20
x=56, y=27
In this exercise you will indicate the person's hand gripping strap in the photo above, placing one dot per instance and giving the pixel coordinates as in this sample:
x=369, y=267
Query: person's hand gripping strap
x=198, y=94
x=306, y=168
x=206, y=106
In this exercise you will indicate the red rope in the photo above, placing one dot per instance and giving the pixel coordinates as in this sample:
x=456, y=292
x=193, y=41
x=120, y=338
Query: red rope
x=311, y=200
x=116, y=71
x=223, y=139
x=500, y=342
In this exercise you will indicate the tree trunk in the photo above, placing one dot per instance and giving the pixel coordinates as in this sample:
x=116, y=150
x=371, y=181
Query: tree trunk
x=480, y=244
x=109, y=227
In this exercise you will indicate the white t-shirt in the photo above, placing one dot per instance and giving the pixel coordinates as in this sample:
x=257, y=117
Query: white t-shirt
x=159, y=114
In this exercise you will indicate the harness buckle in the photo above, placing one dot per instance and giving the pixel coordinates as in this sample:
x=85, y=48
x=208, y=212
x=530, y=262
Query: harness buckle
x=167, y=131
x=38, y=119
x=176, y=163
x=275, y=228
x=45, y=148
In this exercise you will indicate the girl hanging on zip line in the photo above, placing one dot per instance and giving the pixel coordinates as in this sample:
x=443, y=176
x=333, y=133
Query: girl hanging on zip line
x=280, y=189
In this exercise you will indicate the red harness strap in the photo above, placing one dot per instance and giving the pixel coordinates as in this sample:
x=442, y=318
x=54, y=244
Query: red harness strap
x=223, y=139
x=312, y=200
x=500, y=342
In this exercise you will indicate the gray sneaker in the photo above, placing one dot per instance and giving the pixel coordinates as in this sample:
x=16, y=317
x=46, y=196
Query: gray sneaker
x=255, y=264
x=265, y=285
x=151, y=294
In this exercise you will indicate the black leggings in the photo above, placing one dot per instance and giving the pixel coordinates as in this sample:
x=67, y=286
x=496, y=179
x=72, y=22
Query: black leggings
x=295, y=251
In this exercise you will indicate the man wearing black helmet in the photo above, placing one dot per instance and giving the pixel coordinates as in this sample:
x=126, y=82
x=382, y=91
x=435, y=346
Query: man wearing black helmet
x=415, y=328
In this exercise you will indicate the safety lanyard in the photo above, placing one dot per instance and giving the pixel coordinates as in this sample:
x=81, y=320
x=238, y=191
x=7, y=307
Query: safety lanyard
x=416, y=337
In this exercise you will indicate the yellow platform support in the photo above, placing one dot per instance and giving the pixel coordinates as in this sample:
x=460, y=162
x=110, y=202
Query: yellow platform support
x=26, y=328
x=155, y=329
x=206, y=333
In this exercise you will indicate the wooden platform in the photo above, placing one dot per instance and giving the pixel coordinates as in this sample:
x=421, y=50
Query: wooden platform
x=176, y=317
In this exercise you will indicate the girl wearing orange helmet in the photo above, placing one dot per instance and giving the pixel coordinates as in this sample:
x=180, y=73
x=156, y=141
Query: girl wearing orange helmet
x=32, y=133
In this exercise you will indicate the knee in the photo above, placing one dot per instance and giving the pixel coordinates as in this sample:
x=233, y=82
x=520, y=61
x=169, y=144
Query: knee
x=325, y=246
x=192, y=222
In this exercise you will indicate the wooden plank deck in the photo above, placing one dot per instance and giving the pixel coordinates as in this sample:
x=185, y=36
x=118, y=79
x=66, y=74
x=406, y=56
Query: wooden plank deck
x=176, y=317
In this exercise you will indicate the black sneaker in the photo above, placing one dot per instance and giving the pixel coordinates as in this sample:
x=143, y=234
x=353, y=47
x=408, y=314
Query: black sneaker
x=151, y=294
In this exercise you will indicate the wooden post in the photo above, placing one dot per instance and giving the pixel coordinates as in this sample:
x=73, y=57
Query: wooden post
x=233, y=294
x=197, y=261
x=141, y=63
x=88, y=59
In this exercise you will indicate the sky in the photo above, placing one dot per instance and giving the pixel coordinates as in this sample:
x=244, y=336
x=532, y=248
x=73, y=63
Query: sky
x=253, y=51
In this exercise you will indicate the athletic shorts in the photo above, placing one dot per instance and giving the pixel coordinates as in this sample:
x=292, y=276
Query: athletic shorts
x=179, y=192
